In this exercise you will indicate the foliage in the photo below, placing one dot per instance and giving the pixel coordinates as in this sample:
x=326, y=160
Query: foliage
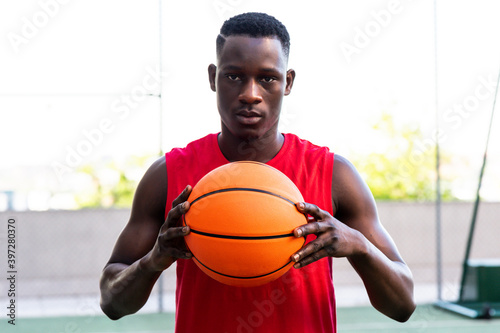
x=405, y=168
x=110, y=185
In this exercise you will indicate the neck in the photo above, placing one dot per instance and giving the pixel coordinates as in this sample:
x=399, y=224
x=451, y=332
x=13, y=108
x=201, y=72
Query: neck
x=261, y=149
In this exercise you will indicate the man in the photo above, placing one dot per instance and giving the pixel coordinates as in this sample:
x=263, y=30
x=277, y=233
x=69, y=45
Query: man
x=250, y=80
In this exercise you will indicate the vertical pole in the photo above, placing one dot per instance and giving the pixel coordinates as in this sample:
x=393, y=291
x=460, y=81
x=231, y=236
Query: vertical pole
x=160, y=144
x=160, y=63
x=465, y=266
x=478, y=197
x=439, y=276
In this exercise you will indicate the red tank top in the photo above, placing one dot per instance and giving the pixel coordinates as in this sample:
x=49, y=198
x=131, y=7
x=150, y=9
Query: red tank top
x=302, y=300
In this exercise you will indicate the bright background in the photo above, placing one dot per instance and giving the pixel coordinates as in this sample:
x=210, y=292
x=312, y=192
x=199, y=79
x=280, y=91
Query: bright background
x=69, y=67
x=79, y=99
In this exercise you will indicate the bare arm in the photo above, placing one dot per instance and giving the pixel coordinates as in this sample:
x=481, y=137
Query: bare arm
x=147, y=246
x=356, y=233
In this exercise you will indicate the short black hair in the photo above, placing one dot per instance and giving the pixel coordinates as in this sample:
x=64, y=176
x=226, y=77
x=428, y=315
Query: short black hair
x=254, y=25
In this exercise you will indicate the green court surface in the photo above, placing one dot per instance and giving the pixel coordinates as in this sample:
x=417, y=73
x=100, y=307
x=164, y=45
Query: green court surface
x=361, y=319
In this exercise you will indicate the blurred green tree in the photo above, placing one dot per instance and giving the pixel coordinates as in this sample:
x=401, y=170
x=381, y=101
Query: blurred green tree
x=405, y=168
x=110, y=184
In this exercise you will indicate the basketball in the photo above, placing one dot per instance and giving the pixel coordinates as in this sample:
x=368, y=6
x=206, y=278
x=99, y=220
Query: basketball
x=242, y=217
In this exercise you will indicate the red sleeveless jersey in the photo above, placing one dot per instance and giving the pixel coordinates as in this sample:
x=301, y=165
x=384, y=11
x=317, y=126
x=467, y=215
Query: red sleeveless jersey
x=302, y=300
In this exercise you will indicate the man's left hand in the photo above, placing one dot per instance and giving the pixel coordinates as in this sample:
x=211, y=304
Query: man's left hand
x=334, y=238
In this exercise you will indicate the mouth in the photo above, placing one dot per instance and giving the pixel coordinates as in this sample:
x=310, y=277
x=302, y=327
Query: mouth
x=248, y=117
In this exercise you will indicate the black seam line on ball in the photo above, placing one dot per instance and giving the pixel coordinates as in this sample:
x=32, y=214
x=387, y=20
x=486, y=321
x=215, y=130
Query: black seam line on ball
x=241, y=237
x=243, y=277
x=249, y=189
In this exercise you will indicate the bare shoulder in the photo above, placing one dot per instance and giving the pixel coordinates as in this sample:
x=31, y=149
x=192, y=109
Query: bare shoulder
x=341, y=166
x=151, y=194
x=351, y=195
x=346, y=180
x=356, y=207
x=146, y=217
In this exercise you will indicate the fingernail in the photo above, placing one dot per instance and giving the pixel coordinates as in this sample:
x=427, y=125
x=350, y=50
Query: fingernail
x=298, y=232
x=184, y=229
x=295, y=257
x=300, y=205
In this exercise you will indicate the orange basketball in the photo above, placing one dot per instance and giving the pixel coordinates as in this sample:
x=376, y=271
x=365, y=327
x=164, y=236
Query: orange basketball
x=242, y=218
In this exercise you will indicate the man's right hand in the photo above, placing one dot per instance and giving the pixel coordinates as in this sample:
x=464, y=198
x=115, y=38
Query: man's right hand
x=170, y=244
x=147, y=245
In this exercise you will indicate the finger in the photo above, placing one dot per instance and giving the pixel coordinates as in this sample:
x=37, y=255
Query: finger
x=178, y=253
x=312, y=227
x=312, y=258
x=176, y=213
x=312, y=210
x=183, y=196
x=175, y=232
x=171, y=243
x=309, y=249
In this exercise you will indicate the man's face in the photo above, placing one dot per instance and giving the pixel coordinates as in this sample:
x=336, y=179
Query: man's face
x=250, y=81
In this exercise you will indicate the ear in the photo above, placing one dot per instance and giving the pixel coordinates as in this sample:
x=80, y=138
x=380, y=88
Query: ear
x=290, y=77
x=212, y=73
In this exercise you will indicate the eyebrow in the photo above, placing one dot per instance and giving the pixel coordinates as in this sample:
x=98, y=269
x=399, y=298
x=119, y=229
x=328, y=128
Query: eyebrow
x=238, y=68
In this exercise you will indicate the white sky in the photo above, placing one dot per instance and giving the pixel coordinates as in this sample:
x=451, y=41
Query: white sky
x=66, y=64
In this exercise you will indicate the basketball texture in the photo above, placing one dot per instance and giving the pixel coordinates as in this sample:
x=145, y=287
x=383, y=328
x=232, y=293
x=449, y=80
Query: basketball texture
x=242, y=218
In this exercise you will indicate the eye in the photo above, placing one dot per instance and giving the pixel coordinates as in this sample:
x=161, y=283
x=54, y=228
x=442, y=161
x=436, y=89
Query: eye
x=233, y=77
x=268, y=79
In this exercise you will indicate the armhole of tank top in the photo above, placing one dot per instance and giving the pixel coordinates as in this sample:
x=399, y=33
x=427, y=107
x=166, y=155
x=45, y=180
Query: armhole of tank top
x=167, y=201
x=331, y=162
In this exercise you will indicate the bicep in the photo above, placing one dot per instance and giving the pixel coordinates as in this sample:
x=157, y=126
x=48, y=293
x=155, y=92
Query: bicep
x=355, y=207
x=146, y=218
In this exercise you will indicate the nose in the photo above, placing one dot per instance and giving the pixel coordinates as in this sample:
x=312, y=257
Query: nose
x=250, y=93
